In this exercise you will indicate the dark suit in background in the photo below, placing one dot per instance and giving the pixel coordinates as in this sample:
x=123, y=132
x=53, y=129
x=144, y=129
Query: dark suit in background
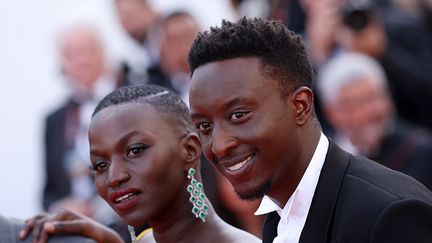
x=408, y=149
x=358, y=200
x=57, y=183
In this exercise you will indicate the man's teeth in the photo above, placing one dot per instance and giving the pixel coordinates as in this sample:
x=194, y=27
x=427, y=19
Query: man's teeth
x=239, y=165
x=124, y=197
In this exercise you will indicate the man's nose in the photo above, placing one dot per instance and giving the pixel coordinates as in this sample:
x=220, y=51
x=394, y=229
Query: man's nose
x=222, y=142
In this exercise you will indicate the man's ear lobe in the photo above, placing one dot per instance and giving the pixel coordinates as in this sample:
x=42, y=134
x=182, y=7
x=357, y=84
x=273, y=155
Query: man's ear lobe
x=192, y=147
x=303, y=104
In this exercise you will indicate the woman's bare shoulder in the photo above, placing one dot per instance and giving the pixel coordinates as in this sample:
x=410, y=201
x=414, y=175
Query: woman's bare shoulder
x=235, y=235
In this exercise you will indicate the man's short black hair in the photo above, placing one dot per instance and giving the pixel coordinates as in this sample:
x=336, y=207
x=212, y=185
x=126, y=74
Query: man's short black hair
x=281, y=52
x=165, y=101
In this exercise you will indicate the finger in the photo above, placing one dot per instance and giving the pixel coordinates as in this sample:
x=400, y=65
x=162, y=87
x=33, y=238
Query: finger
x=42, y=232
x=44, y=238
x=25, y=231
x=86, y=227
x=28, y=226
x=49, y=227
x=66, y=227
x=64, y=215
x=38, y=228
x=45, y=234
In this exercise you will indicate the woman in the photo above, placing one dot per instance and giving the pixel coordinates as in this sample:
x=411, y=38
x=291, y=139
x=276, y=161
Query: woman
x=145, y=153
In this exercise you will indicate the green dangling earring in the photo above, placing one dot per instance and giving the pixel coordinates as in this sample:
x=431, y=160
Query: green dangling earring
x=132, y=233
x=197, y=196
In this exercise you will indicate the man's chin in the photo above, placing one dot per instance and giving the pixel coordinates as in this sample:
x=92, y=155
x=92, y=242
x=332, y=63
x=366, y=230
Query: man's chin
x=255, y=193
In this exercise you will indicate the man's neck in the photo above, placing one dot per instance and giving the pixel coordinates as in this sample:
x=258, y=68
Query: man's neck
x=282, y=190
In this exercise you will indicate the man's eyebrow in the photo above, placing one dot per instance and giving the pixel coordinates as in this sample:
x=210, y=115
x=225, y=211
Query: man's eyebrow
x=233, y=102
x=227, y=105
x=196, y=115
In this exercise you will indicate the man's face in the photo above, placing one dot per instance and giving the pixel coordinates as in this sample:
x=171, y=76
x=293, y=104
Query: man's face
x=178, y=36
x=82, y=57
x=247, y=129
x=362, y=113
x=136, y=17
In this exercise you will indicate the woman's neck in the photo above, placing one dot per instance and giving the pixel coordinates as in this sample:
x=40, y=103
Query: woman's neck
x=183, y=226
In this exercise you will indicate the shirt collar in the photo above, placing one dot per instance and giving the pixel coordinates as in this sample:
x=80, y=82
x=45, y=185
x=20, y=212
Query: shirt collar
x=267, y=206
x=301, y=199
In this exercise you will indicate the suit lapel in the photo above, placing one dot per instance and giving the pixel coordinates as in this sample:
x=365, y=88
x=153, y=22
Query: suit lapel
x=320, y=217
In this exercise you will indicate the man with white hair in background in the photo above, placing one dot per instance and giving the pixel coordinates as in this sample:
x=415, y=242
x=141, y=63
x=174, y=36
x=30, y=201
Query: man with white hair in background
x=357, y=103
x=69, y=182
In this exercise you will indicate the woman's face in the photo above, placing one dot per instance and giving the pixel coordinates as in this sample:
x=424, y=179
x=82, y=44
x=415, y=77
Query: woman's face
x=137, y=156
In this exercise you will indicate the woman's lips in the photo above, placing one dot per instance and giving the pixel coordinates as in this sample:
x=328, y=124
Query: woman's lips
x=124, y=200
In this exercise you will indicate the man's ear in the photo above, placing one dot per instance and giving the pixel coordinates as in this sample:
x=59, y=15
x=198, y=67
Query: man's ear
x=302, y=99
x=192, y=149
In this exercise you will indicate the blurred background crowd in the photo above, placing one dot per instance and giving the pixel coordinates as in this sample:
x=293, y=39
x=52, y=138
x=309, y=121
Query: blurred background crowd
x=373, y=85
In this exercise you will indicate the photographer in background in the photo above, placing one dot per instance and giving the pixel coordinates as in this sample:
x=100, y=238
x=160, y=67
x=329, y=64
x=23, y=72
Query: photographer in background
x=403, y=46
x=356, y=100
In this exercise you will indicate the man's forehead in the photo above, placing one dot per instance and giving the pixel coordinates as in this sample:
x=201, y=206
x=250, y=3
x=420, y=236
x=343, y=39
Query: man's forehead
x=227, y=72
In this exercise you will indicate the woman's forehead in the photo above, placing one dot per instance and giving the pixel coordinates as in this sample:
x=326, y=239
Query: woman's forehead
x=134, y=115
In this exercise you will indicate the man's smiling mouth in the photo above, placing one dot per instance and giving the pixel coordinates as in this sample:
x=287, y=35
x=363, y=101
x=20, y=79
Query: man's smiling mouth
x=240, y=164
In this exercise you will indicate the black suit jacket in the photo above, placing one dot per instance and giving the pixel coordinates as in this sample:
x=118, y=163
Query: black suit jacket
x=57, y=184
x=359, y=200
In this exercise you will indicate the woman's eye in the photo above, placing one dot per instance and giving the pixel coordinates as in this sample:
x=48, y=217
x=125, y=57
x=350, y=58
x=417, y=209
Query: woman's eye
x=99, y=166
x=135, y=150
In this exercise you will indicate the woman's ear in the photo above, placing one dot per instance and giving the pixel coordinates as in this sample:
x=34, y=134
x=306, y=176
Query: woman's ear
x=192, y=149
x=302, y=99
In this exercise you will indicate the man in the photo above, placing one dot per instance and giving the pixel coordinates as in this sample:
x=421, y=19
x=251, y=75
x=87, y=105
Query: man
x=69, y=183
x=381, y=33
x=358, y=105
x=83, y=64
x=140, y=21
x=252, y=102
x=178, y=32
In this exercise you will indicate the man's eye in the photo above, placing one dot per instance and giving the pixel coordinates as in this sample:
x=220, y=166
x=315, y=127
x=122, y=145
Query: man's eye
x=237, y=115
x=99, y=166
x=135, y=150
x=203, y=126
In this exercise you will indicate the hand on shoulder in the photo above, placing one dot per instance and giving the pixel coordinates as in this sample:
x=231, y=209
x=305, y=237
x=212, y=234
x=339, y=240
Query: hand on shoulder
x=66, y=221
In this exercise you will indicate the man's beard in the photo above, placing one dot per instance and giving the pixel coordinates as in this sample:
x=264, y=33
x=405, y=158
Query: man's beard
x=258, y=193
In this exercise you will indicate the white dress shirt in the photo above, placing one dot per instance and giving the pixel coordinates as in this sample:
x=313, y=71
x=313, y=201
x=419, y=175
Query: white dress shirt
x=293, y=215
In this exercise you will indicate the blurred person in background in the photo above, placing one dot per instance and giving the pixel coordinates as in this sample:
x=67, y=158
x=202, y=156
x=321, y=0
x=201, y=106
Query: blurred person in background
x=357, y=103
x=378, y=29
x=178, y=31
x=69, y=182
x=140, y=22
x=402, y=44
